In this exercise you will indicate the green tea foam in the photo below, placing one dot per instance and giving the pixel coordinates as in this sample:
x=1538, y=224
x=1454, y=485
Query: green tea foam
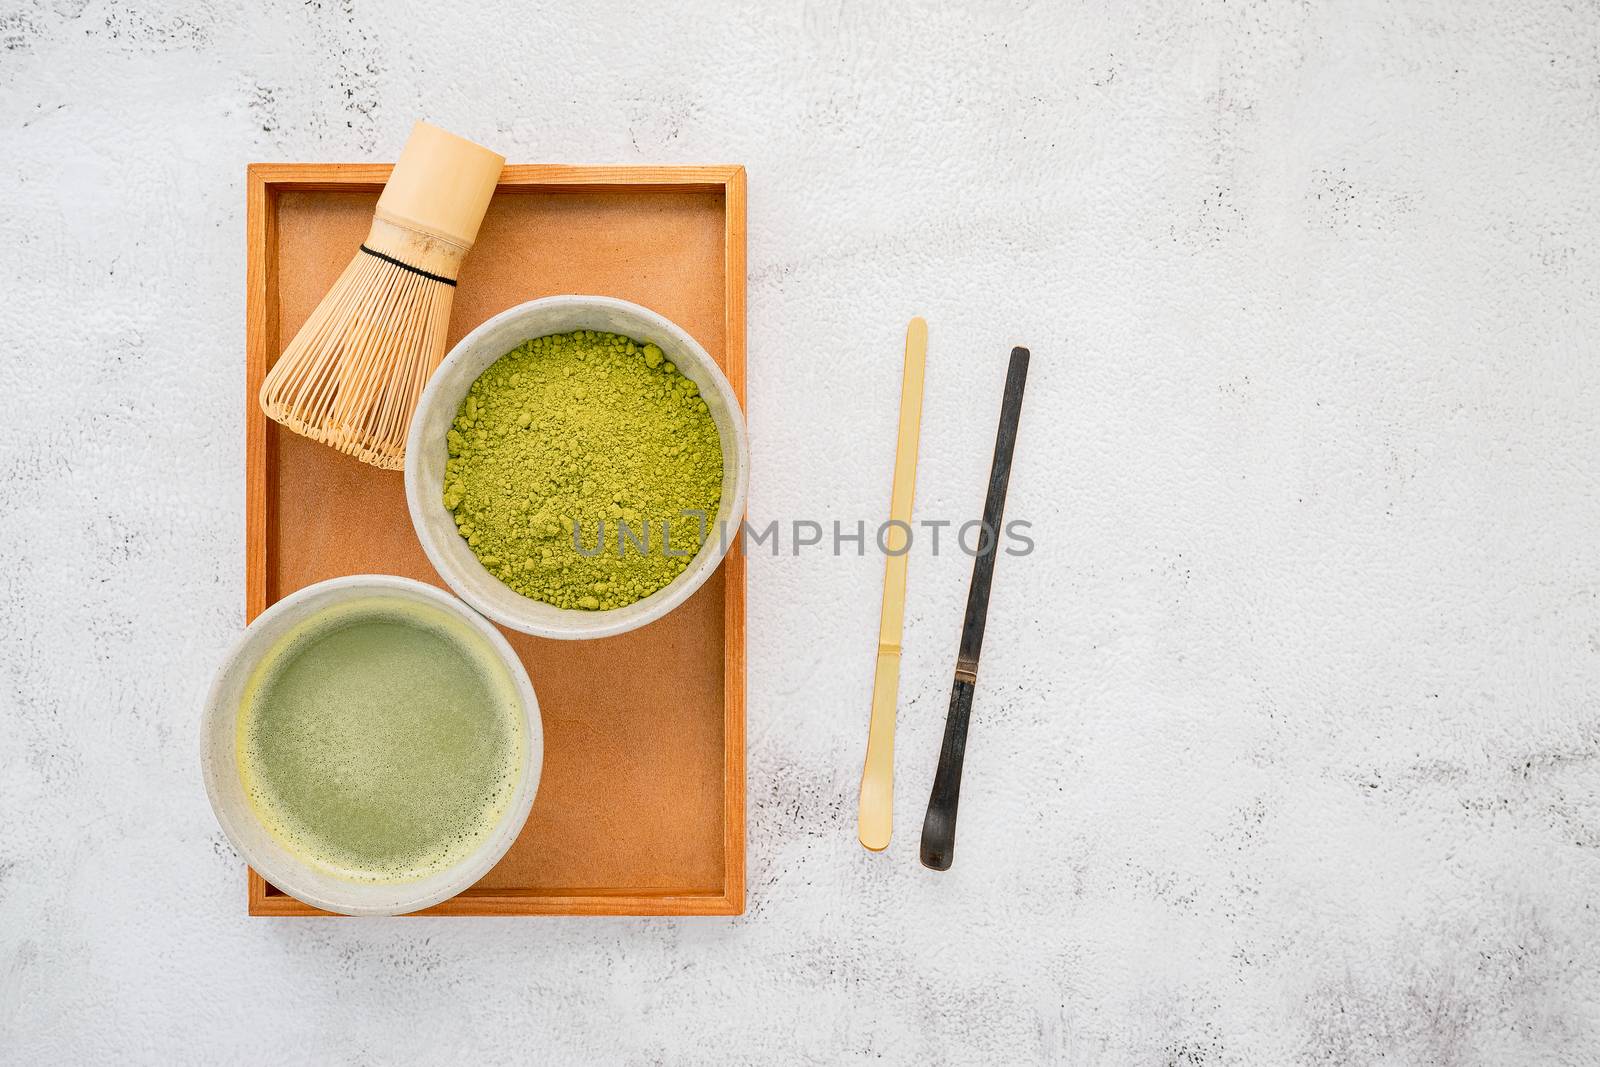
x=381, y=739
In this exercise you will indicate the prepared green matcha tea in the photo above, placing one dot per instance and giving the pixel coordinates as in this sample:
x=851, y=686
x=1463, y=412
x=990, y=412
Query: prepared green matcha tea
x=584, y=470
x=381, y=740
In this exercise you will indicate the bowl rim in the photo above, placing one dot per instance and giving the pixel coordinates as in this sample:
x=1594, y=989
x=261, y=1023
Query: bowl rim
x=585, y=625
x=280, y=866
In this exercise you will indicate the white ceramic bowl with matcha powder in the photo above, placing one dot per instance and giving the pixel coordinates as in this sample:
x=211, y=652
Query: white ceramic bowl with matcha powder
x=427, y=453
x=312, y=742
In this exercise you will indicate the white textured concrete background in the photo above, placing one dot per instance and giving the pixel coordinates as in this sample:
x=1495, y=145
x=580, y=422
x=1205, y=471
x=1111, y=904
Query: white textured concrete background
x=1287, y=745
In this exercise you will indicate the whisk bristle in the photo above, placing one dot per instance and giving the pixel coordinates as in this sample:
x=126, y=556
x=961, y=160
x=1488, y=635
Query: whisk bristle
x=353, y=374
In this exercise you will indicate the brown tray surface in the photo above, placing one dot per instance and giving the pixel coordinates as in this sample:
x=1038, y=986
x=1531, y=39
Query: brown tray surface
x=641, y=803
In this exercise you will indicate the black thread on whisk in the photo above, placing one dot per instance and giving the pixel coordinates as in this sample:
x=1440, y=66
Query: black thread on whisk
x=406, y=266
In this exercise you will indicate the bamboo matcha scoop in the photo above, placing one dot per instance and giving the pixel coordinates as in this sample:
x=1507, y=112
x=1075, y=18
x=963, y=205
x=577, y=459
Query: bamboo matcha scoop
x=875, y=817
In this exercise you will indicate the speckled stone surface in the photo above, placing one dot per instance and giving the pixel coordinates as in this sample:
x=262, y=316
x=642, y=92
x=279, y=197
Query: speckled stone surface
x=1287, y=742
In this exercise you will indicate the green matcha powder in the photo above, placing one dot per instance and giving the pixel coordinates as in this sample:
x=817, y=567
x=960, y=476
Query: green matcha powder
x=570, y=434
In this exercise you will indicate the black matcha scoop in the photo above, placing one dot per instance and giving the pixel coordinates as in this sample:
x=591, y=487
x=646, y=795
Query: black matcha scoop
x=939, y=825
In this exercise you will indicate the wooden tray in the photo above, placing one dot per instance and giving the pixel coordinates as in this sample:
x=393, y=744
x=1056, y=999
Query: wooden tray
x=641, y=804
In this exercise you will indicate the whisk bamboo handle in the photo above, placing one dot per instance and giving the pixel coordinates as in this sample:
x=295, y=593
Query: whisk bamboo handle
x=430, y=210
x=441, y=186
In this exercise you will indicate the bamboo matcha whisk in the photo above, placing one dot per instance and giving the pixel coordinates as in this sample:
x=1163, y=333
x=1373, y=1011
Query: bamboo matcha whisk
x=353, y=374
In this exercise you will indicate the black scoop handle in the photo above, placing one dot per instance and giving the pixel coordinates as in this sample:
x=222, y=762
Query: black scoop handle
x=939, y=825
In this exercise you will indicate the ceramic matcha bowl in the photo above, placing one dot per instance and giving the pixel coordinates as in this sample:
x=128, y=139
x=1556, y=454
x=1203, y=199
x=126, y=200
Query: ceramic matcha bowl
x=427, y=453
x=295, y=872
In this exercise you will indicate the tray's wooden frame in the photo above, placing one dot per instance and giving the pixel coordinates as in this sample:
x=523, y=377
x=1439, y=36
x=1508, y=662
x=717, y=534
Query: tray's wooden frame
x=265, y=181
